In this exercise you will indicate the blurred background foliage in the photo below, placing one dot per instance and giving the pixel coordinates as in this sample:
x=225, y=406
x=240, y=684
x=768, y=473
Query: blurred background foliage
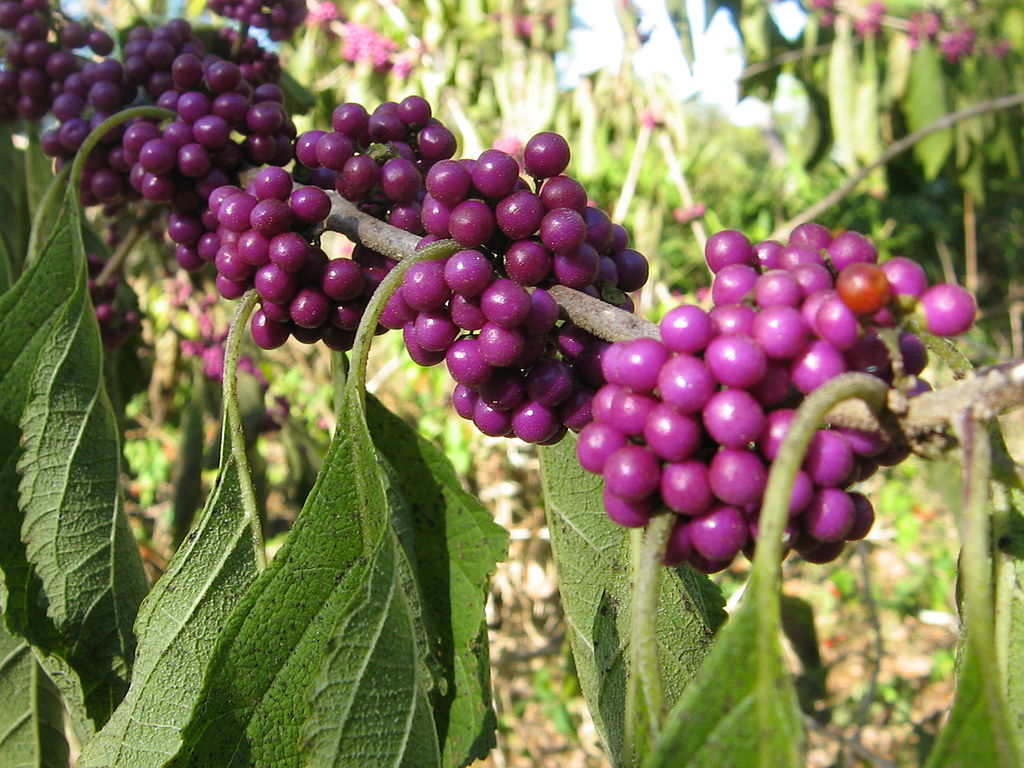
x=837, y=81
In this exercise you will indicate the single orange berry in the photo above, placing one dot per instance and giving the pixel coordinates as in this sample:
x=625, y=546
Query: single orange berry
x=864, y=288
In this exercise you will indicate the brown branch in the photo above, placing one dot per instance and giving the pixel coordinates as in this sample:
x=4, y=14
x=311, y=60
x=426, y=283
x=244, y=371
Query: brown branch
x=896, y=148
x=990, y=392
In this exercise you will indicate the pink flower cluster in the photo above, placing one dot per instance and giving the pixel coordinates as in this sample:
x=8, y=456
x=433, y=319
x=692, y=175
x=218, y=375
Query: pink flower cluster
x=362, y=43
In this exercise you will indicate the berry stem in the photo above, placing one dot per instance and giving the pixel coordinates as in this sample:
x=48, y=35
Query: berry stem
x=97, y=133
x=368, y=323
x=928, y=413
x=944, y=349
x=644, y=667
x=976, y=573
x=52, y=198
x=775, y=509
x=235, y=441
x=117, y=258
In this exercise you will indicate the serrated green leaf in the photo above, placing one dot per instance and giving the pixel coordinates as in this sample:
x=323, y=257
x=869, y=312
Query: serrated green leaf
x=30, y=309
x=925, y=102
x=592, y=559
x=31, y=713
x=178, y=626
x=740, y=711
x=457, y=546
x=352, y=540
x=76, y=535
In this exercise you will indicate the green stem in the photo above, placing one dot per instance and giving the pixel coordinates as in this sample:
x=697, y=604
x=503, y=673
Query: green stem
x=233, y=439
x=775, y=508
x=78, y=166
x=375, y=308
x=644, y=664
x=51, y=200
x=975, y=556
x=632, y=713
x=942, y=348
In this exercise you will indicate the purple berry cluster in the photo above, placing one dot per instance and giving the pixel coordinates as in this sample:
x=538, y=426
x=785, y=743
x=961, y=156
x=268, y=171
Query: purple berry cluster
x=378, y=161
x=115, y=320
x=279, y=17
x=41, y=56
x=260, y=238
x=185, y=160
x=485, y=310
x=692, y=422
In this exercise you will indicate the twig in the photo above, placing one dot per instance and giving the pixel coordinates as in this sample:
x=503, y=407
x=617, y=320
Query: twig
x=117, y=258
x=896, y=148
x=854, y=746
x=997, y=389
x=878, y=650
x=675, y=173
x=783, y=58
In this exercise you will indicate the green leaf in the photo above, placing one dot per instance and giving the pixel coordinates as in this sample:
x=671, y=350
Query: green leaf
x=925, y=102
x=457, y=546
x=179, y=623
x=15, y=216
x=30, y=310
x=592, y=558
x=978, y=731
x=842, y=91
x=1009, y=602
x=740, y=711
x=31, y=713
x=77, y=540
x=311, y=654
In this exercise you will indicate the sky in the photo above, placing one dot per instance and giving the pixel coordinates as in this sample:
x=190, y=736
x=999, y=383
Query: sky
x=598, y=42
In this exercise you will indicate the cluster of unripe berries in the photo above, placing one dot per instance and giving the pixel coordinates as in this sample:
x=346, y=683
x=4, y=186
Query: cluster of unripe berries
x=689, y=424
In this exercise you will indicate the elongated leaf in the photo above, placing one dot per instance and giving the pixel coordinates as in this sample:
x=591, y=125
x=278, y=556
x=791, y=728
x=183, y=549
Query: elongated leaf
x=76, y=535
x=978, y=731
x=31, y=714
x=455, y=547
x=925, y=102
x=1009, y=603
x=341, y=554
x=178, y=625
x=842, y=89
x=29, y=309
x=592, y=558
x=740, y=711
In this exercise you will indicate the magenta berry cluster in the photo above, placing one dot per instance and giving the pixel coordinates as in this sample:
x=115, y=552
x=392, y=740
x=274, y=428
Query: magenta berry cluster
x=183, y=161
x=279, y=17
x=41, y=55
x=378, y=161
x=117, y=321
x=485, y=310
x=690, y=423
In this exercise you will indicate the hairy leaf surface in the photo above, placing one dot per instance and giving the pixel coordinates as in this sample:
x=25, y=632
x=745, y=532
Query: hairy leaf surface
x=592, y=557
x=740, y=710
x=76, y=535
x=31, y=713
x=179, y=623
x=334, y=640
